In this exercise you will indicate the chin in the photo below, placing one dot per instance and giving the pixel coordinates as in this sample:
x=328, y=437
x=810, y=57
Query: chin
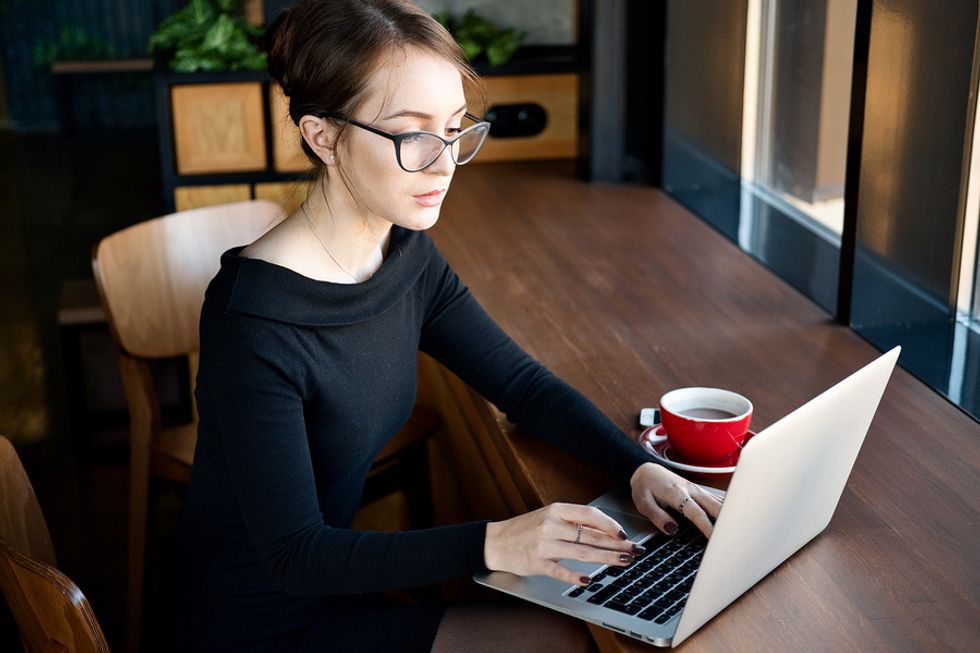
x=421, y=220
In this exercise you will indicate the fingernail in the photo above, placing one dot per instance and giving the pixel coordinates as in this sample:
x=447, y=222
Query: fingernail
x=637, y=549
x=622, y=534
x=585, y=580
x=626, y=558
x=670, y=527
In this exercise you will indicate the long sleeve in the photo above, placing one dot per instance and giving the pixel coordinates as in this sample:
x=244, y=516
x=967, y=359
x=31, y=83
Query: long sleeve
x=458, y=333
x=251, y=395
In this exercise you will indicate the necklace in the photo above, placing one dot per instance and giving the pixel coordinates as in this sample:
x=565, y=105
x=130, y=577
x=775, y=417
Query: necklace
x=324, y=245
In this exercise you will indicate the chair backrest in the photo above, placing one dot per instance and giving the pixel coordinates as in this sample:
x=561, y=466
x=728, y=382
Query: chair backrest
x=51, y=612
x=152, y=276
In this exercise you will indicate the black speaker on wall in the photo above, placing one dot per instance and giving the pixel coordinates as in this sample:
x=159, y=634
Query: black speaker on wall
x=516, y=120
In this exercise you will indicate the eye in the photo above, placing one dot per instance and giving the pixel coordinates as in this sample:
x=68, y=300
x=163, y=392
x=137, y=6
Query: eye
x=412, y=137
x=454, y=130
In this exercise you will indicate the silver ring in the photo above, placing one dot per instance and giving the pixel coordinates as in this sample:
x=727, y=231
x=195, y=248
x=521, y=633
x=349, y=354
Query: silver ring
x=578, y=536
x=683, y=503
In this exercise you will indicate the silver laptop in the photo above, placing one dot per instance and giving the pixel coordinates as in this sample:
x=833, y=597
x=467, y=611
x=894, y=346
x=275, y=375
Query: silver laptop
x=785, y=489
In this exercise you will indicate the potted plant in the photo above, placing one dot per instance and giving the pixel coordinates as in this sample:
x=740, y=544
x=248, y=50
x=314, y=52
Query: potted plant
x=478, y=36
x=208, y=35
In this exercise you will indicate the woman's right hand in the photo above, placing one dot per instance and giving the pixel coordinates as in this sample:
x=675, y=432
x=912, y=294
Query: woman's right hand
x=532, y=544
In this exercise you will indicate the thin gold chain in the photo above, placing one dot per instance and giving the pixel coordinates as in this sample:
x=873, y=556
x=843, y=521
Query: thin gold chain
x=324, y=245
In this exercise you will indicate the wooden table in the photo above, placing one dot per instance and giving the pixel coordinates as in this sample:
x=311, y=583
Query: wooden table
x=625, y=294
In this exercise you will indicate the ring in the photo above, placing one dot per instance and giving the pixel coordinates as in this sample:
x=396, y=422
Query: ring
x=578, y=536
x=683, y=503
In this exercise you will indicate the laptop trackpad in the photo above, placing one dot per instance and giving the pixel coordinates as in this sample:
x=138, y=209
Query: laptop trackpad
x=636, y=526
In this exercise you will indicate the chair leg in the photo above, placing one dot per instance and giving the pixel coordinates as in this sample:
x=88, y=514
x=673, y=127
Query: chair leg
x=139, y=481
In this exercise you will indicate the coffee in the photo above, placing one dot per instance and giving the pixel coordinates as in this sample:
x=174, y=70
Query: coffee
x=707, y=413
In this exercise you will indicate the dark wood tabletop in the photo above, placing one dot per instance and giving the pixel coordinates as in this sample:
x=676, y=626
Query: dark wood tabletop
x=625, y=294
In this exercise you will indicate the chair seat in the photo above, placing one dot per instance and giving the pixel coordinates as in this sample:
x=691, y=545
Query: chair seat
x=174, y=452
x=421, y=425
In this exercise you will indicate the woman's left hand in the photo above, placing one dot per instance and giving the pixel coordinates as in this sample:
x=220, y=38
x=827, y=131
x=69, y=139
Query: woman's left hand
x=656, y=487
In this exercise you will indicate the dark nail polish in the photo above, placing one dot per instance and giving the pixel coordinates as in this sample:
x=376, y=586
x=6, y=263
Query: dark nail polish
x=670, y=527
x=585, y=580
x=637, y=549
x=622, y=534
x=626, y=558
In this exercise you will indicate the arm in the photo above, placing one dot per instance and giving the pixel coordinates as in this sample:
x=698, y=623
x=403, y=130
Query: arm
x=252, y=395
x=458, y=333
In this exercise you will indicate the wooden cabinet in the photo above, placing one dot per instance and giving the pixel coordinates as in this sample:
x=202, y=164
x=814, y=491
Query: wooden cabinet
x=228, y=136
x=218, y=127
x=557, y=94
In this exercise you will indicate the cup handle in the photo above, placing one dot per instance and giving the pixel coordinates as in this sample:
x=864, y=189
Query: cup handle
x=650, y=435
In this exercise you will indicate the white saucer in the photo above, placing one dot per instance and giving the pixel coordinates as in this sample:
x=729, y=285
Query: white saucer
x=654, y=440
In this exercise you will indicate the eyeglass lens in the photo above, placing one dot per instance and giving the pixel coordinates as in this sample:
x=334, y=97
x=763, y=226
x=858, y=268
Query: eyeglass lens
x=421, y=150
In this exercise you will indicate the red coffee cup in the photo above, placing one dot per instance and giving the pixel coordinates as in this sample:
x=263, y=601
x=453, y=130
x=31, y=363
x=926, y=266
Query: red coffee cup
x=705, y=425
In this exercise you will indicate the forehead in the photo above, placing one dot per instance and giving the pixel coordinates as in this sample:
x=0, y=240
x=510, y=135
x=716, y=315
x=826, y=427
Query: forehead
x=415, y=80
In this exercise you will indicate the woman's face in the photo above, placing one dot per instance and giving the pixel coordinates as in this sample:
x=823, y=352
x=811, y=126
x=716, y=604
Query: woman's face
x=415, y=92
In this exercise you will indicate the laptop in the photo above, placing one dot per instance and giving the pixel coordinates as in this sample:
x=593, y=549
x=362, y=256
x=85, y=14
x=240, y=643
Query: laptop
x=785, y=489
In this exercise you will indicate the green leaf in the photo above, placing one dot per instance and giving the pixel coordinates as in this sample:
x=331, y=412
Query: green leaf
x=209, y=35
x=476, y=34
x=471, y=49
x=504, y=46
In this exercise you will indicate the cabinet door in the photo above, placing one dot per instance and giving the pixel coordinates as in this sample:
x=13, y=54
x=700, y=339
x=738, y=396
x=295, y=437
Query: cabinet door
x=194, y=197
x=218, y=127
x=289, y=194
x=557, y=94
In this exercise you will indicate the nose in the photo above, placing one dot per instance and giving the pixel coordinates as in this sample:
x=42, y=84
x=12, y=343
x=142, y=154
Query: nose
x=444, y=165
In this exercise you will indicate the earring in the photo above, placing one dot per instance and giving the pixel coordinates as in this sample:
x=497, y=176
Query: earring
x=332, y=158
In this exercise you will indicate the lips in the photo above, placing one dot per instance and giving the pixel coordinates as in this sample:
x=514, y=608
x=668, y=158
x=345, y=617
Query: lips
x=432, y=198
x=431, y=193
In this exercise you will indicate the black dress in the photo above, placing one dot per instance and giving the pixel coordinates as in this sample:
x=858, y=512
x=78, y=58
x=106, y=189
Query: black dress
x=301, y=383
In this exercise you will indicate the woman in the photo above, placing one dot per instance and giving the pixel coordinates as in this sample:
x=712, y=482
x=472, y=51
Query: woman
x=309, y=339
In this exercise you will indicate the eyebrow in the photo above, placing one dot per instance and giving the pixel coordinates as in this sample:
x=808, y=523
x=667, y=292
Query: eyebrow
x=419, y=114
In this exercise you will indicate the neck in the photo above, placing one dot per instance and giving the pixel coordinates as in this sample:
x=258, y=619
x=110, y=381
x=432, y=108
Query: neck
x=354, y=244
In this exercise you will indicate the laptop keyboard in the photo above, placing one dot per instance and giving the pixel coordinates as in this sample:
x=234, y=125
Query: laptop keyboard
x=656, y=586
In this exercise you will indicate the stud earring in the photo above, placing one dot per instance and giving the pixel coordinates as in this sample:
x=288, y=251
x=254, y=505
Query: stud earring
x=332, y=158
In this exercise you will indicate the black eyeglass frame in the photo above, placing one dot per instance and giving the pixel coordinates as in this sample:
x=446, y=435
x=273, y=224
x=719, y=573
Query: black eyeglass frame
x=398, y=138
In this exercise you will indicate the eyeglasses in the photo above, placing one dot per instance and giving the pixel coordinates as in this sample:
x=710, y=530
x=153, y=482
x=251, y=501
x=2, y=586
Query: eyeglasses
x=416, y=151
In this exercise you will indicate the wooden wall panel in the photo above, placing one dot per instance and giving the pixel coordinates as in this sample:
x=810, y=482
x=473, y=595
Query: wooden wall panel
x=218, y=127
x=290, y=194
x=193, y=197
x=287, y=154
x=557, y=94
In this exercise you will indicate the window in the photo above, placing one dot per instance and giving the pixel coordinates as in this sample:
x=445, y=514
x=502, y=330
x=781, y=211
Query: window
x=757, y=140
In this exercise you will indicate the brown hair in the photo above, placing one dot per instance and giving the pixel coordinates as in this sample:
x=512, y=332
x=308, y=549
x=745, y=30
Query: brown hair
x=322, y=52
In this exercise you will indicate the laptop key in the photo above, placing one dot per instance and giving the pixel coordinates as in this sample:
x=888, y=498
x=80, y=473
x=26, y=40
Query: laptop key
x=632, y=591
x=650, y=613
x=670, y=612
x=576, y=592
x=663, y=618
x=594, y=587
x=661, y=586
x=674, y=595
x=604, y=594
x=663, y=602
x=613, y=571
x=628, y=608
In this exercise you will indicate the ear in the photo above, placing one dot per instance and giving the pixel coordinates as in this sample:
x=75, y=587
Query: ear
x=321, y=135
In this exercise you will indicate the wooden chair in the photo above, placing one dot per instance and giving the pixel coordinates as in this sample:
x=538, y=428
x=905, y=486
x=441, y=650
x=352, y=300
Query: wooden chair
x=151, y=279
x=51, y=612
